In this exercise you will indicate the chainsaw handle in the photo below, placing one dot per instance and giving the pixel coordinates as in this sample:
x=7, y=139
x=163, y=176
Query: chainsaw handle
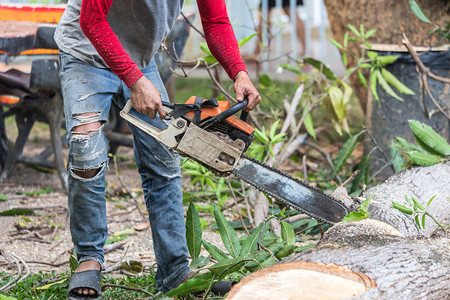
x=228, y=113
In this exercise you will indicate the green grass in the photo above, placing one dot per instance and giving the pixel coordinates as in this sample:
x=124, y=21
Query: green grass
x=39, y=286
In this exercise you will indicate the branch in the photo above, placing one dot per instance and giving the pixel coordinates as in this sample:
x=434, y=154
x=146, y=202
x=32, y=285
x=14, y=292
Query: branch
x=422, y=67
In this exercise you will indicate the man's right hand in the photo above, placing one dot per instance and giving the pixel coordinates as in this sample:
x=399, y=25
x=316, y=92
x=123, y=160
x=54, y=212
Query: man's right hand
x=146, y=98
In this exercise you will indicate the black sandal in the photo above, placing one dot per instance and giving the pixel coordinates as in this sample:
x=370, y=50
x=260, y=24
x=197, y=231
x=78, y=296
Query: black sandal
x=87, y=279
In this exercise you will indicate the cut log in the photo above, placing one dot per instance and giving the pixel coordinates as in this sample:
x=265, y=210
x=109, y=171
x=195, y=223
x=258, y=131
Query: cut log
x=391, y=261
x=422, y=183
x=308, y=280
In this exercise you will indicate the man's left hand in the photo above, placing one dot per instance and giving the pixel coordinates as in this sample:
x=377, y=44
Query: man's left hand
x=243, y=87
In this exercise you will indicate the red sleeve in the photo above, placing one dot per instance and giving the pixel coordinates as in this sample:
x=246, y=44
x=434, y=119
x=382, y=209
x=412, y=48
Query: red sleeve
x=220, y=36
x=95, y=26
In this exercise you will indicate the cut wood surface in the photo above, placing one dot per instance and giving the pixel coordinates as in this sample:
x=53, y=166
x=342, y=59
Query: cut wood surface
x=310, y=280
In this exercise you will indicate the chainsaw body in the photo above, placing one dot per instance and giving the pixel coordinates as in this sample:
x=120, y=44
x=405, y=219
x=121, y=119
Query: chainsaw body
x=217, y=145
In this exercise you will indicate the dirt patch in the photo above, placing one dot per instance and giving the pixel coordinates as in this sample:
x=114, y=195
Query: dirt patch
x=44, y=241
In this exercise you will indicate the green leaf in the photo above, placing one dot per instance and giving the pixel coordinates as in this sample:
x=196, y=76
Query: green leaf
x=364, y=207
x=337, y=44
x=416, y=218
x=362, y=78
x=3, y=198
x=287, y=233
x=2, y=297
x=418, y=204
x=418, y=12
x=265, y=80
x=405, y=145
x=346, y=39
x=372, y=55
x=291, y=68
x=429, y=137
x=361, y=29
x=263, y=255
x=386, y=87
x=321, y=67
x=344, y=60
x=250, y=244
x=386, y=60
x=392, y=80
x=348, y=148
x=214, y=251
x=227, y=233
x=204, y=47
x=132, y=266
x=402, y=208
x=227, y=266
x=368, y=45
x=73, y=263
x=39, y=192
x=244, y=41
x=125, y=232
x=337, y=100
x=424, y=159
x=354, y=30
x=308, y=122
x=397, y=160
x=429, y=201
x=261, y=135
x=369, y=33
x=356, y=215
x=199, y=262
x=193, y=231
x=273, y=129
x=191, y=286
x=365, y=66
x=423, y=221
x=17, y=212
x=373, y=84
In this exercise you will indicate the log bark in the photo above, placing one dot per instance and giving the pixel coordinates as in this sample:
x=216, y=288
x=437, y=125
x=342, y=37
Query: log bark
x=396, y=259
x=391, y=18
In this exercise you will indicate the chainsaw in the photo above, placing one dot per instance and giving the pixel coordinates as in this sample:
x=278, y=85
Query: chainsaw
x=208, y=132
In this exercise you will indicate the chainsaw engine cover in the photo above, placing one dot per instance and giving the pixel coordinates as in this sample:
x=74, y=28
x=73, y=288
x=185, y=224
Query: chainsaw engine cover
x=215, y=150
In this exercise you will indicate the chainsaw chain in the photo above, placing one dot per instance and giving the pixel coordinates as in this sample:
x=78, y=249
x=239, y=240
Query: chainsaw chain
x=284, y=201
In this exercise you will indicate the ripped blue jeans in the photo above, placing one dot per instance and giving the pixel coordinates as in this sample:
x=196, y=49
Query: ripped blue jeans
x=87, y=89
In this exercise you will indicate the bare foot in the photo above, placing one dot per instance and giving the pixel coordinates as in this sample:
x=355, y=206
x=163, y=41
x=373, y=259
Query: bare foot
x=86, y=266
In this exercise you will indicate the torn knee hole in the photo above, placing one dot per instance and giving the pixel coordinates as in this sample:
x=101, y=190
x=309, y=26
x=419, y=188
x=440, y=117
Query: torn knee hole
x=86, y=173
x=89, y=124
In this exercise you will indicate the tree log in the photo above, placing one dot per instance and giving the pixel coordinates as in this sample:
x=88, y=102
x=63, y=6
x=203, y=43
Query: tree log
x=392, y=261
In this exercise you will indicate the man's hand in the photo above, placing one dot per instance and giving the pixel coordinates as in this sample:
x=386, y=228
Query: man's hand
x=146, y=98
x=244, y=87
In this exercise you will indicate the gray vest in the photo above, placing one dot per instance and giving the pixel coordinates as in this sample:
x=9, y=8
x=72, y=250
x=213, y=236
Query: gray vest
x=140, y=25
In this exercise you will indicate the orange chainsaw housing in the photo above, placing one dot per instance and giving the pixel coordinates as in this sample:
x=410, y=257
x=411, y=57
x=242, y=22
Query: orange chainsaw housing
x=214, y=111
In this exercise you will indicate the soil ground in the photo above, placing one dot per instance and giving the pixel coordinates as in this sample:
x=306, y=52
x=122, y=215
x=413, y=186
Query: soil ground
x=46, y=244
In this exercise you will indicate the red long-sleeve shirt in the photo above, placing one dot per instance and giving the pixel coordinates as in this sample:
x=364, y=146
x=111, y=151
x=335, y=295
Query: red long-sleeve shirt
x=216, y=25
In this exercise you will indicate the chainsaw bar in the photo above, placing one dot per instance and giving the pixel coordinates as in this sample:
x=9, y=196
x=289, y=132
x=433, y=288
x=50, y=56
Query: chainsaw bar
x=290, y=191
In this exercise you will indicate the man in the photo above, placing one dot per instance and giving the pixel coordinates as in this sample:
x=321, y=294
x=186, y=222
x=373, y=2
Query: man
x=107, y=51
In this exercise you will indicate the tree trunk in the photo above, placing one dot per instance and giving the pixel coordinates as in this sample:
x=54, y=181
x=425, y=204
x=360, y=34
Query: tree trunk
x=392, y=261
x=391, y=18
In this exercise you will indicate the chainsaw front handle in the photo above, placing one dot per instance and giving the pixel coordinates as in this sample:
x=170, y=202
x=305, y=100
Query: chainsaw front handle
x=228, y=113
x=165, y=136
